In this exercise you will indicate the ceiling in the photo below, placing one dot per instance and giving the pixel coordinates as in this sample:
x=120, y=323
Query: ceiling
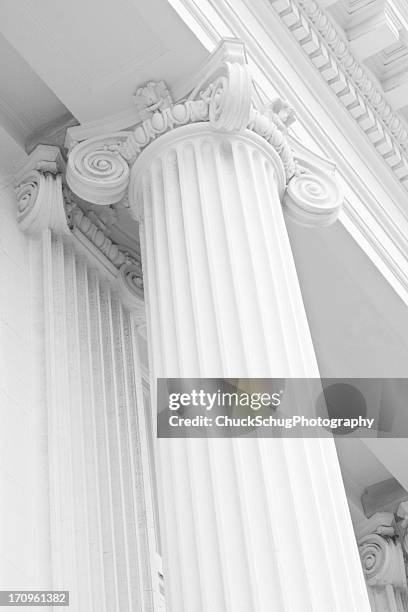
x=84, y=59
x=360, y=468
x=359, y=324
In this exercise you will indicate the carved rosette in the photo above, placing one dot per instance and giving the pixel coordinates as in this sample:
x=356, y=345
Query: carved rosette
x=223, y=96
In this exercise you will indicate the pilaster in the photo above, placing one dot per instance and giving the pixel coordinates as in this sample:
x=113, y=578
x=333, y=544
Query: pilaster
x=45, y=202
x=102, y=528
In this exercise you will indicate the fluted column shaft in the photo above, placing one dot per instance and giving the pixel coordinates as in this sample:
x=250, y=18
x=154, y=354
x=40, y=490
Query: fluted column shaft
x=102, y=532
x=248, y=524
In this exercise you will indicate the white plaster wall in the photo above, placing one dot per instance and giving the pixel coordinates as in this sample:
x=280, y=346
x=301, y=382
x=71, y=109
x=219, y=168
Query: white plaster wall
x=24, y=531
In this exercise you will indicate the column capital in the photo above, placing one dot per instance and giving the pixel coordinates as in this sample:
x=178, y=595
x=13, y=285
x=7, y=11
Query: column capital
x=221, y=94
x=45, y=202
x=381, y=552
x=401, y=525
x=38, y=187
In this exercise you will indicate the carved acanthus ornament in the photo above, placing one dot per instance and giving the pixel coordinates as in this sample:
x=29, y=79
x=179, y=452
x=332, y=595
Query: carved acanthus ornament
x=222, y=96
x=44, y=201
x=151, y=98
x=126, y=261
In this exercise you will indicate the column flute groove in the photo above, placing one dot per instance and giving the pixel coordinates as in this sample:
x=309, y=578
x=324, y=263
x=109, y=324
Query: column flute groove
x=90, y=301
x=197, y=260
x=218, y=258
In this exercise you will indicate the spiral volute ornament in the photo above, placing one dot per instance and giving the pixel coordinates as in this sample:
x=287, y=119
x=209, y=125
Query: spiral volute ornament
x=230, y=99
x=382, y=560
x=132, y=278
x=96, y=170
x=129, y=283
x=27, y=194
x=40, y=203
x=313, y=198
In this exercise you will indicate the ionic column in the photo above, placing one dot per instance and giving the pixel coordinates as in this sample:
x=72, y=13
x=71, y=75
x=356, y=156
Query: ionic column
x=248, y=525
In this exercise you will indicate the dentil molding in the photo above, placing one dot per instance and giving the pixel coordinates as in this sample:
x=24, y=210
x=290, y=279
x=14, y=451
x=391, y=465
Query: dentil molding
x=221, y=94
x=328, y=49
x=44, y=201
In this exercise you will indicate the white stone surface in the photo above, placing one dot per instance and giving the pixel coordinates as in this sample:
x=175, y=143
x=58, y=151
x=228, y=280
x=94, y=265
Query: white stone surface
x=102, y=530
x=243, y=521
x=24, y=522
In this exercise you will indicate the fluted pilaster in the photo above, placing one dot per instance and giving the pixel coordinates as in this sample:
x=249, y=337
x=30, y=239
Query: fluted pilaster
x=102, y=529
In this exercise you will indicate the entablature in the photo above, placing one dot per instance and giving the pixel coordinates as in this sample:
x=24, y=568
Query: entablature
x=377, y=33
x=298, y=50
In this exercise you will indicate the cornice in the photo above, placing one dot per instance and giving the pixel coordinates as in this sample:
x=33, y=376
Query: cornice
x=317, y=35
x=45, y=202
x=374, y=211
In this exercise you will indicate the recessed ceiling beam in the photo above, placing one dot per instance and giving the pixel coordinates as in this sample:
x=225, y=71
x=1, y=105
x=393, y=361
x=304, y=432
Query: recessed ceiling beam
x=384, y=496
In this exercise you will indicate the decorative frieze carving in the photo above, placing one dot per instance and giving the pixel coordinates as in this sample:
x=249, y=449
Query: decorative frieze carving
x=327, y=48
x=269, y=125
x=189, y=111
x=222, y=96
x=126, y=261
